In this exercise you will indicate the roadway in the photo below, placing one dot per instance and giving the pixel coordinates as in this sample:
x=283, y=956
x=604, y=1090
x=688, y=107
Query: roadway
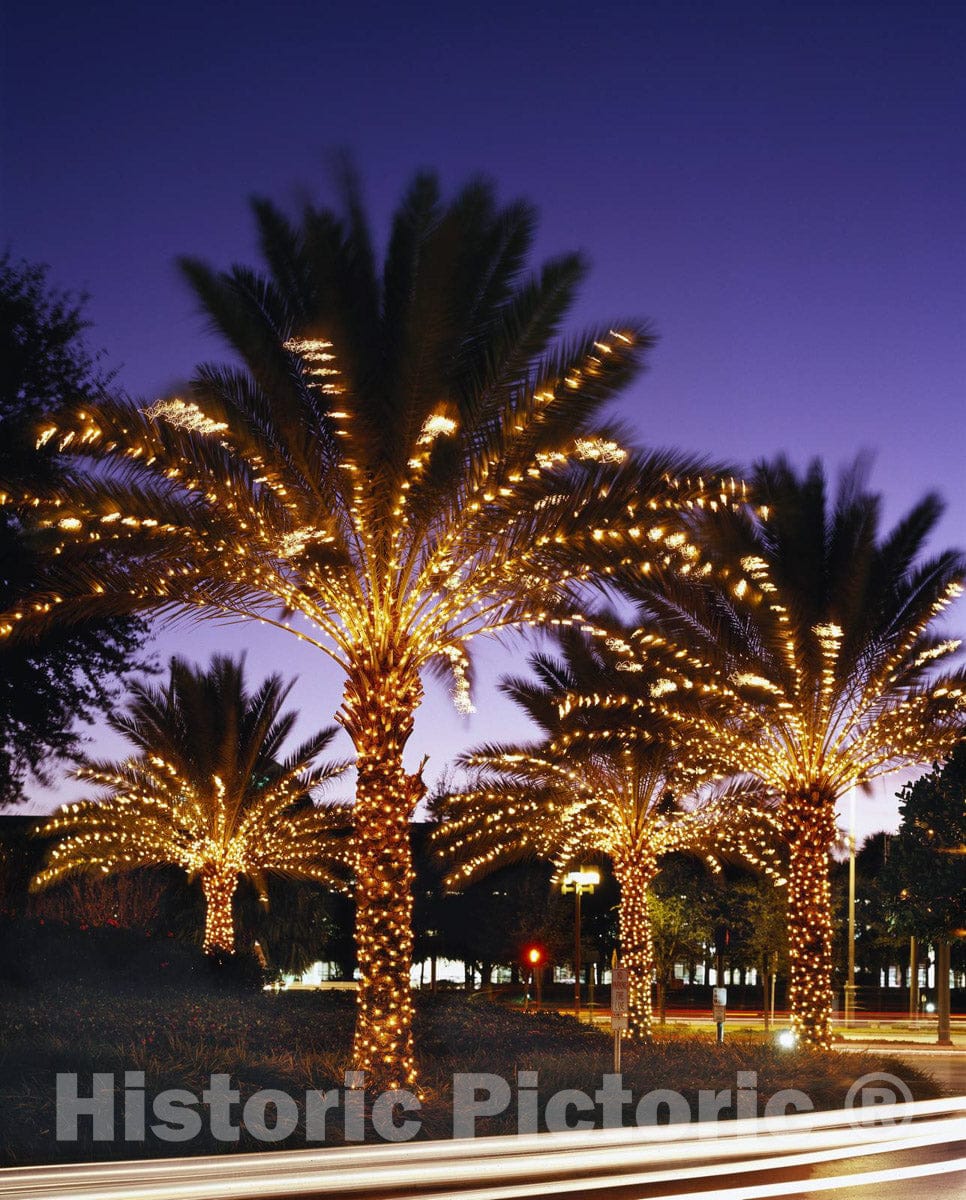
x=948, y=1068
x=912, y=1151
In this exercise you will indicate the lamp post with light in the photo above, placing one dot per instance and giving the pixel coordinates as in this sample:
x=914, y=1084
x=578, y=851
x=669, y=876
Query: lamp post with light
x=578, y=882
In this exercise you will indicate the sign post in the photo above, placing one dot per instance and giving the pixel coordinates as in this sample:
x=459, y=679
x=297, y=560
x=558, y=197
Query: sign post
x=774, y=976
x=619, y=1008
x=718, y=1002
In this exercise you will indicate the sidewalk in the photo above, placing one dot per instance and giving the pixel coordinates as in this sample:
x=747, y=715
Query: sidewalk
x=869, y=1030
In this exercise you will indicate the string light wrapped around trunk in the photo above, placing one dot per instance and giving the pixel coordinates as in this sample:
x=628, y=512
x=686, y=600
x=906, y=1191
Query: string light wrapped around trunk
x=219, y=891
x=378, y=714
x=634, y=878
x=810, y=824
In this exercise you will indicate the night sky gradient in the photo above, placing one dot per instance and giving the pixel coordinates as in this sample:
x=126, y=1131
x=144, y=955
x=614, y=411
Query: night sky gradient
x=779, y=187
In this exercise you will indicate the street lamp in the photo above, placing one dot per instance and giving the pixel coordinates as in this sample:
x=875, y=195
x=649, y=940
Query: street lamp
x=578, y=882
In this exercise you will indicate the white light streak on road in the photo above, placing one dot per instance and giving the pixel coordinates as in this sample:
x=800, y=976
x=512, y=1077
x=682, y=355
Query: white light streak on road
x=541, y=1164
x=801, y=1187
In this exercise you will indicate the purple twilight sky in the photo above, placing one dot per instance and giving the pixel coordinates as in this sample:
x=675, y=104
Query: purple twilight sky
x=779, y=187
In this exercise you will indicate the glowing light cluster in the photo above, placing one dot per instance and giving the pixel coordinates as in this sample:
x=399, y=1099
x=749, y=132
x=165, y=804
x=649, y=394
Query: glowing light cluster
x=315, y=354
x=183, y=415
x=438, y=425
x=599, y=450
x=462, y=700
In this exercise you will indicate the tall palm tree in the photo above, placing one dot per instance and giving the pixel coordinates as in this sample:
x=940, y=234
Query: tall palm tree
x=588, y=789
x=207, y=792
x=811, y=644
x=405, y=460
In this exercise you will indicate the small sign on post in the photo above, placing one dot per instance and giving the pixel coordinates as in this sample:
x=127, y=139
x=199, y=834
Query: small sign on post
x=619, y=1007
x=719, y=998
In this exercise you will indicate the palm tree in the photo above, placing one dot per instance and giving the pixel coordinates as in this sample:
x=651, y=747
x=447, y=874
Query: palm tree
x=810, y=641
x=206, y=792
x=586, y=790
x=404, y=461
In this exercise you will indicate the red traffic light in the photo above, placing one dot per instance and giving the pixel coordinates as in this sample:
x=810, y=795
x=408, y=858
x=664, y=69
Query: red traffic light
x=534, y=955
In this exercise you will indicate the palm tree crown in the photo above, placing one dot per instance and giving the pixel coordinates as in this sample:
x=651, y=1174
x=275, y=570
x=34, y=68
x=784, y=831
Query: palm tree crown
x=207, y=792
x=406, y=459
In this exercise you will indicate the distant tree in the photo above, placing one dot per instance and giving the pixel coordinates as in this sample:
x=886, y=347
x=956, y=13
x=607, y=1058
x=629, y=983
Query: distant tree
x=755, y=912
x=691, y=904
x=68, y=675
x=301, y=924
x=7, y=882
x=927, y=866
x=489, y=922
x=680, y=930
x=878, y=942
x=926, y=871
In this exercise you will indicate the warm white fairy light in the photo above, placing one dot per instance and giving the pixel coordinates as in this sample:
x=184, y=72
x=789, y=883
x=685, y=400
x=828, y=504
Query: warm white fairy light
x=184, y=415
x=744, y=679
x=599, y=450
x=296, y=542
x=939, y=651
x=458, y=662
x=438, y=425
x=550, y=458
x=317, y=357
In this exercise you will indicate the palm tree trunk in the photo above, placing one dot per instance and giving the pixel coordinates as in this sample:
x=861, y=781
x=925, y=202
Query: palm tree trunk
x=219, y=887
x=636, y=949
x=378, y=714
x=811, y=832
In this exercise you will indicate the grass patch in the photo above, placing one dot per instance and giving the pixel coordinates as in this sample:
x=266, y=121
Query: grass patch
x=298, y=1041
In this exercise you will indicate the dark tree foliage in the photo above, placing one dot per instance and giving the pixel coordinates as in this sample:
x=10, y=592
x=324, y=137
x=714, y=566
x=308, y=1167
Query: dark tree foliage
x=878, y=944
x=301, y=924
x=926, y=871
x=494, y=920
x=70, y=674
x=681, y=906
